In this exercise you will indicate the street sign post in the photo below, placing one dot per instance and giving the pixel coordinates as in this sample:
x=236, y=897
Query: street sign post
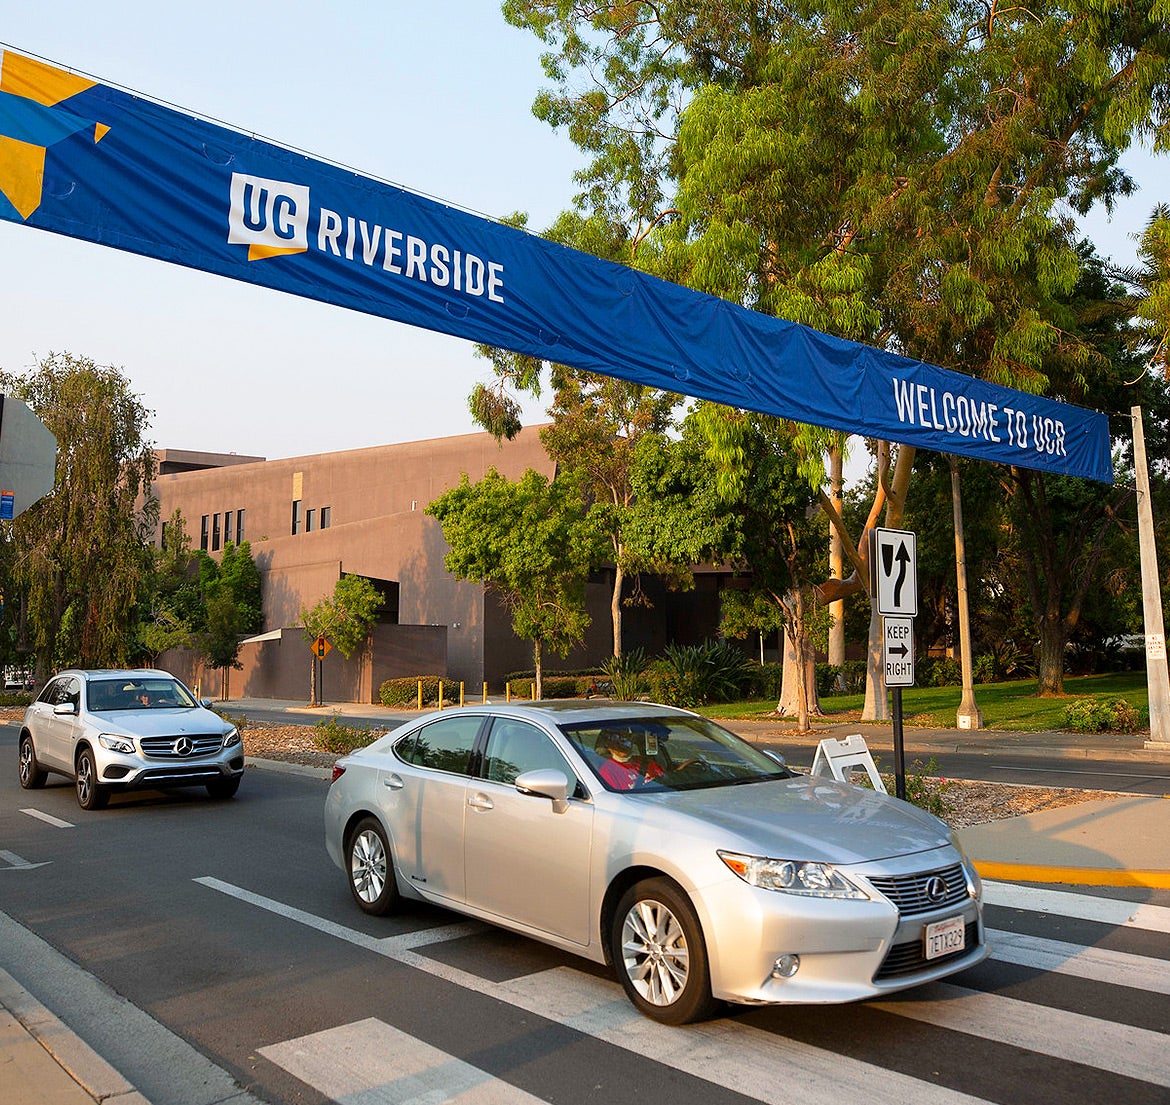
x=893, y=565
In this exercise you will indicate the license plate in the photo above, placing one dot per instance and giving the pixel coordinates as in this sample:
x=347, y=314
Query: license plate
x=945, y=937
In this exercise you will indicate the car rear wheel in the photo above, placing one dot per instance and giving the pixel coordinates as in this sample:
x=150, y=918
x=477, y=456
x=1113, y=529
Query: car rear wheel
x=659, y=953
x=371, y=868
x=32, y=775
x=224, y=788
x=90, y=796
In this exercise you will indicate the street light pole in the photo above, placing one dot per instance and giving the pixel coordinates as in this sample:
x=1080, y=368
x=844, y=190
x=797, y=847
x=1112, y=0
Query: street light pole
x=1157, y=677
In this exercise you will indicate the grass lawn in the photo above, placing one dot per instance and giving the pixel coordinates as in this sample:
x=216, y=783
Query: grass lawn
x=1003, y=705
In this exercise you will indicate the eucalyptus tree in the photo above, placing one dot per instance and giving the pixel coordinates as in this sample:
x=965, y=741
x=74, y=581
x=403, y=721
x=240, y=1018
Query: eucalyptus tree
x=81, y=552
x=901, y=173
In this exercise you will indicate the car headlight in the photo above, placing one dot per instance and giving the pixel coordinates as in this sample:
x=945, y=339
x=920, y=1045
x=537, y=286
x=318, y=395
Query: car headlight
x=813, y=880
x=116, y=743
x=231, y=737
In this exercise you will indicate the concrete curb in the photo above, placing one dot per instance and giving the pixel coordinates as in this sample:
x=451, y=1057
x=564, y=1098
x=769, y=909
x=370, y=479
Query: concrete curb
x=1072, y=876
x=71, y=1053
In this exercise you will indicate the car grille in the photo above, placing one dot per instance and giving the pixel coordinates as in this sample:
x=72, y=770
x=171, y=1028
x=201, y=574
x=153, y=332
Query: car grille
x=909, y=892
x=163, y=748
x=910, y=958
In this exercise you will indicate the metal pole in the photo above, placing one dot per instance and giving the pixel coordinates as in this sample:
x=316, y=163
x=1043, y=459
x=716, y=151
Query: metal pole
x=1157, y=677
x=899, y=746
x=969, y=715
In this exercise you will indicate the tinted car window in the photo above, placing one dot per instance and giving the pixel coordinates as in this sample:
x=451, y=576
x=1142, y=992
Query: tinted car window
x=515, y=747
x=49, y=694
x=445, y=745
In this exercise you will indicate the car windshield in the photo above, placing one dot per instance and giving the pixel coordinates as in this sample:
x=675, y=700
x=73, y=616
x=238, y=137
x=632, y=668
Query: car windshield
x=669, y=753
x=138, y=693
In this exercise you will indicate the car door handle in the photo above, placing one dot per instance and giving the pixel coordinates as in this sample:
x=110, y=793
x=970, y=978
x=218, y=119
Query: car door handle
x=392, y=782
x=480, y=802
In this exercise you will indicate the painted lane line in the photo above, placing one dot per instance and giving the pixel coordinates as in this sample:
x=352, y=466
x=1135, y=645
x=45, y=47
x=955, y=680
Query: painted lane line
x=1139, y=972
x=1072, y=1037
x=16, y=863
x=371, y=1061
x=406, y=941
x=49, y=819
x=769, y=1068
x=1084, y=907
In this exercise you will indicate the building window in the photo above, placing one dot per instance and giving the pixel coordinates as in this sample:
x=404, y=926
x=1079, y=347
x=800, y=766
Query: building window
x=296, y=516
x=325, y=512
x=204, y=532
x=310, y=518
x=239, y=527
x=227, y=527
x=214, y=532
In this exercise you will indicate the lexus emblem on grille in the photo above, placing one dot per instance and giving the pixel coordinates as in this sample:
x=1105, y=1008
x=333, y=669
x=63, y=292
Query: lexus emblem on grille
x=936, y=888
x=184, y=747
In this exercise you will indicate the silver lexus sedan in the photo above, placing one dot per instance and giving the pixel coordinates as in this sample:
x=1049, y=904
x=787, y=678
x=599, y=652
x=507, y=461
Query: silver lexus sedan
x=653, y=840
x=120, y=730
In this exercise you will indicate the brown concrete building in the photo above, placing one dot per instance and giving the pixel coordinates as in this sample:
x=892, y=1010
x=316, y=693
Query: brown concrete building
x=309, y=520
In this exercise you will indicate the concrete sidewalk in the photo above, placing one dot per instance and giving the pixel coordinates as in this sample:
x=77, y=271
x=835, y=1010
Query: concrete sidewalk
x=42, y=1062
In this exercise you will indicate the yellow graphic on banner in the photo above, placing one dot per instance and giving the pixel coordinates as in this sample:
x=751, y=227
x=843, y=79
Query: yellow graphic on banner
x=22, y=171
x=34, y=80
x=22, y=163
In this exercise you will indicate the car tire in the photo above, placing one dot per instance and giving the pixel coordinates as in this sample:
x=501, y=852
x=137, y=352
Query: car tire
x=370, y=868
x=223, y=789
x=90, y=795
x=32, y=775
x=658, y=950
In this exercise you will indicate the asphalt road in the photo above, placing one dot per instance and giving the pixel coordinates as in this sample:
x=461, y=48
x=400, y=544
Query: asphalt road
x=223, y=926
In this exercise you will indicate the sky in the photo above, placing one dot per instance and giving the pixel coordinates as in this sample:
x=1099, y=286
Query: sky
x=435, y=97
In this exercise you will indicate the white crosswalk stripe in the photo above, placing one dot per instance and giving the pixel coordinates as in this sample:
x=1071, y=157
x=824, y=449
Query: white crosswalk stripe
x=1139, y=972
x=778, y=1070
x=1085, y=907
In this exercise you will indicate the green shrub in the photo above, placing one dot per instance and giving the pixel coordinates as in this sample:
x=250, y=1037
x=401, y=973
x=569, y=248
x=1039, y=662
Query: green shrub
x=697, y=675
x=938, y=671
x=764, y=681
x=404, y=692
x=1093, y=715
x=333, y=736
x=17, y=700
x=847, y=678
x=626, y=675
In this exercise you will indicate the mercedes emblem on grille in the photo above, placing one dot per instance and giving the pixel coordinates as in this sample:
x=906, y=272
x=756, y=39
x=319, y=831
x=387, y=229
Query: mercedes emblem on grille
x=184, y=746
x=936, y=888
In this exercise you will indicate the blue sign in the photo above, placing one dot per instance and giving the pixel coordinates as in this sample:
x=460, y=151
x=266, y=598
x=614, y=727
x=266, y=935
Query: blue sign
x=7, y=506
x=86, y=160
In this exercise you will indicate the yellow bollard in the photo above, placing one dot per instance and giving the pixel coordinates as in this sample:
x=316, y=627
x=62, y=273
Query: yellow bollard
x=485, y=693
x=460, y=692
x=508, y=691
x=420, y=694
x=440, y=694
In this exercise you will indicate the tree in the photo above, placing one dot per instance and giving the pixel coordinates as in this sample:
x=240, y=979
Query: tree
x=897, y=173
x=531, y=543
x=345, y=619
x=773, y=536
x=81, y=551
x=230, y=606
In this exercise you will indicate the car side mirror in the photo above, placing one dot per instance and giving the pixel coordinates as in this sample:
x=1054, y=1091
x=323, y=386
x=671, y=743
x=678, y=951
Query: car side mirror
x=779, y=758
x=546, y=782
x=65, y=709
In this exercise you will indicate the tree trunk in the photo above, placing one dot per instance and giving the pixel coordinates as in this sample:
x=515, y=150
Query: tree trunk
x=836, y=564
x=877, y=700
x=969, y=715
x=1050, y=657
x=538, y=664
x=312, y=680
x=615, y=608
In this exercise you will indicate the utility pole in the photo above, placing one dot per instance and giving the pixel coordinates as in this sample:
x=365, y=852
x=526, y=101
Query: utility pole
x=1157, y=677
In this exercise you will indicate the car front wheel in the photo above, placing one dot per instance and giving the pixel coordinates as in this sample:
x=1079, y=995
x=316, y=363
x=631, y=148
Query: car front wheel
x=222, y=789
x=371, y=868
x=90, y=796
x=659, y=953
x=32, y=775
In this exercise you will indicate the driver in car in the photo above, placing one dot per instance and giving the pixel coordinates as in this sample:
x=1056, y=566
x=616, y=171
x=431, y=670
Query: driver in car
x=624, y=767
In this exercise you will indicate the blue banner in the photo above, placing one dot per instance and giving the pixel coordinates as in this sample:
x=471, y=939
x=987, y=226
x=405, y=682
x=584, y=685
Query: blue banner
x=86, y=160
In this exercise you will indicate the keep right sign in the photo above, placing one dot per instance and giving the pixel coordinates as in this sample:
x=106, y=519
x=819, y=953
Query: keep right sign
x=898, y=651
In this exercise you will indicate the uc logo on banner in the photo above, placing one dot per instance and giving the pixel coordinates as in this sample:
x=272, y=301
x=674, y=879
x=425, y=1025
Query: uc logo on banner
x=270, y=217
